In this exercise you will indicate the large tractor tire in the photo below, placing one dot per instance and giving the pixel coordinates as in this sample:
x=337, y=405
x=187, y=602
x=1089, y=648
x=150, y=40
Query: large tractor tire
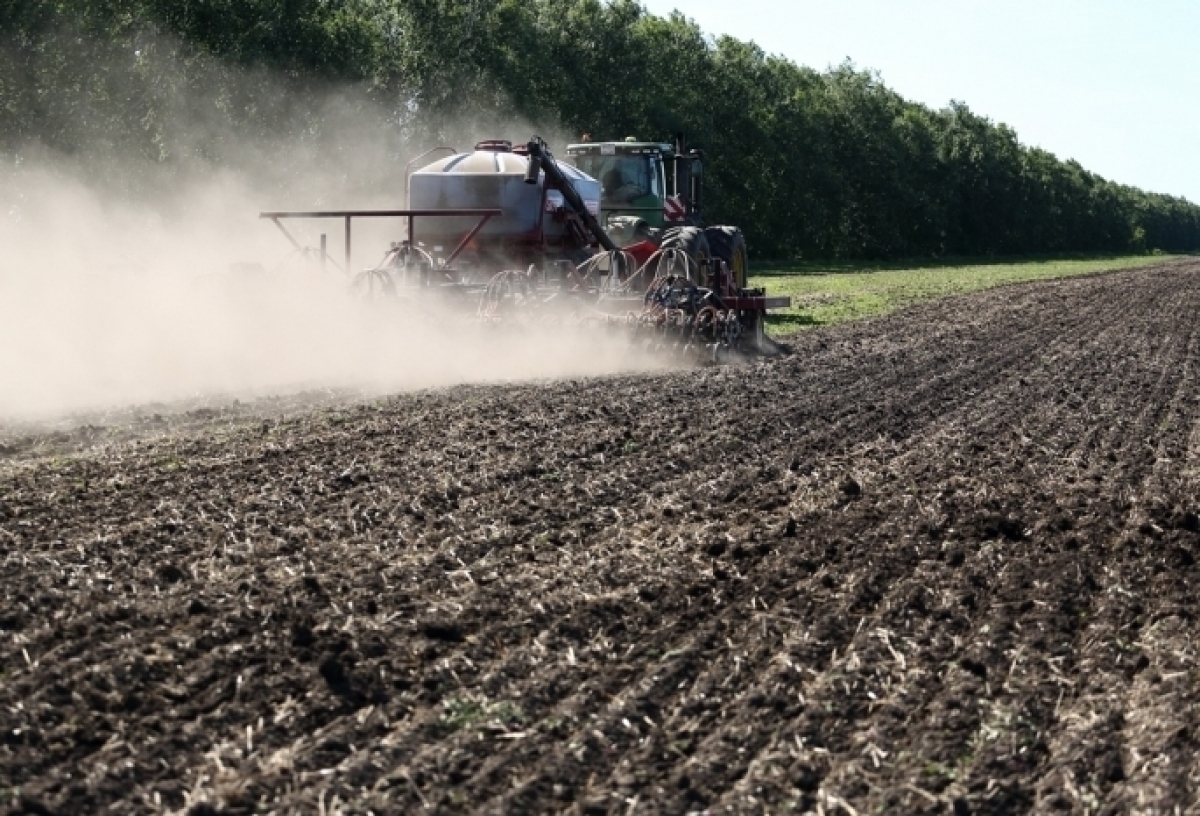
x=729, y=244
x=692, y=241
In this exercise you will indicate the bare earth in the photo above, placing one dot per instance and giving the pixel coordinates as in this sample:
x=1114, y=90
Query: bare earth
x=941, y=562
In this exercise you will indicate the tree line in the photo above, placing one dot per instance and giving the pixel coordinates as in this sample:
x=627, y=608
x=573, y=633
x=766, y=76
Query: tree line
x=812, y=164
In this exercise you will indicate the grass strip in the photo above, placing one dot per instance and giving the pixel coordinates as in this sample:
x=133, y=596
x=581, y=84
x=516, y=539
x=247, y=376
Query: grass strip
x=823, y=295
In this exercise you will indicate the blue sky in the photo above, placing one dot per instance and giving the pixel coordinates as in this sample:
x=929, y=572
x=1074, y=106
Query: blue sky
x=1114, y=85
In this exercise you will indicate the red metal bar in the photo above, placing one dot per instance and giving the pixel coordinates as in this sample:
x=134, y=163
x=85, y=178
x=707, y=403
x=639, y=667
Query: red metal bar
x=286, y=234
x=485, y=215
x=463, y=243
x=378, y=213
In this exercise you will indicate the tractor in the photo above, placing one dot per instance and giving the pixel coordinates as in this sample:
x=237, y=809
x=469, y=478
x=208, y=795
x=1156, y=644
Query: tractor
x=507, y=233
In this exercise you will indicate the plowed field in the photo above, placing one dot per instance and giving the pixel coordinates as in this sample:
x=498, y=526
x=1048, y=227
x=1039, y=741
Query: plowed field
x=943, y=561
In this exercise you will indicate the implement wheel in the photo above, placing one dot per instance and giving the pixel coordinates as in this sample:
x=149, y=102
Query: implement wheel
x=729, y=244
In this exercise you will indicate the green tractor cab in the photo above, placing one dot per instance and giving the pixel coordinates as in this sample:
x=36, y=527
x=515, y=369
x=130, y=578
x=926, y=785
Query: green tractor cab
x=651, y=181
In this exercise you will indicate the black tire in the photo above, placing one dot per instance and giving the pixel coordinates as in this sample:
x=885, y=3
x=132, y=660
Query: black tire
x=692, y=241
x=729, y=244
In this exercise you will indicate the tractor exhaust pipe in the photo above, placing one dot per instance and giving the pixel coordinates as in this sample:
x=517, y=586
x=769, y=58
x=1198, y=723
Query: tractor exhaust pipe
x=540, y=160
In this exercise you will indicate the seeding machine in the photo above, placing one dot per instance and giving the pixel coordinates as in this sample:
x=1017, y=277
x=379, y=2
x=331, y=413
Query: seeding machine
x=616, y=237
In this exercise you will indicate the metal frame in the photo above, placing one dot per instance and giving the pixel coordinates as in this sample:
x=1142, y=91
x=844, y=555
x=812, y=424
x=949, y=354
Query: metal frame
x=485, y=215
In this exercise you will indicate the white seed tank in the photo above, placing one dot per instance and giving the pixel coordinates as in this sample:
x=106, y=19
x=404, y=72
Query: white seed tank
x=493, y=177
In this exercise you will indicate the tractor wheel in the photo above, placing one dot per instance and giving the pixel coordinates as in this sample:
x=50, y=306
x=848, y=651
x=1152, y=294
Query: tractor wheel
x=692, y=241
x=729, y=244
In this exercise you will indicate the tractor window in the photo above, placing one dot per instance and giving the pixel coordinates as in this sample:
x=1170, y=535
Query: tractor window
x=622, y=178
x=658, y=179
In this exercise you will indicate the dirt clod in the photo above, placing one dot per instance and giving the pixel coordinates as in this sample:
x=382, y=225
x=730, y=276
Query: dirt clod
x=807, y=779
x=975, y=667
x=333, y=671
x=447, y=630
x=302, y=635
x=171, y=574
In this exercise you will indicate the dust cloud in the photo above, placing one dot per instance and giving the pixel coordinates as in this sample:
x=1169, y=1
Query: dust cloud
x=108, y=300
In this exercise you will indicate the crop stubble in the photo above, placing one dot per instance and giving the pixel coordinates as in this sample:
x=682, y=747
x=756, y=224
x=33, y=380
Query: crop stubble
x=942, y=561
